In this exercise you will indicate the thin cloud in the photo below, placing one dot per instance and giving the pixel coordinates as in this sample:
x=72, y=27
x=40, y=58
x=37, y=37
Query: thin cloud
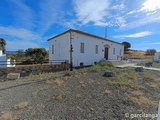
x=91, y=11
x=51, y=12
x=136, y=35
x=118, y=7
x=155, y=43
x=19, y=33
x=20, y=45
x=22, y=14
x=145, y=20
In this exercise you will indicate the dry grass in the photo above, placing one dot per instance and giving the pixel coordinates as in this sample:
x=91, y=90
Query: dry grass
x=7, y=116
x=91, y=81
x=140, y=100
x=123, y=83
x=149, y=76
x=132, y=76
x=137, y=93
x=57, y=81
x=154, y=86
x=21, y=105
x=137, y=55
x=59, y=97
x=45, y=76
x=78, y=95
x=107, y=92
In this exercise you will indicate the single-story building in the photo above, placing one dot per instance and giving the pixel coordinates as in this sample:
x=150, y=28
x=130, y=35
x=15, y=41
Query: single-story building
x=157, y=57
x=4, y=62
x=82, y=48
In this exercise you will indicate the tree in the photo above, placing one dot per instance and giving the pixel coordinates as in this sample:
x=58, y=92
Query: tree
x=29, y=52
x=126, y=45
x=37, y=54
x=20, y=53
x=2, y=45
x=150, y=52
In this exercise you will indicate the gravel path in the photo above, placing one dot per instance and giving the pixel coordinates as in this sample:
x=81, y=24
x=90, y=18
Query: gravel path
x=82, y=96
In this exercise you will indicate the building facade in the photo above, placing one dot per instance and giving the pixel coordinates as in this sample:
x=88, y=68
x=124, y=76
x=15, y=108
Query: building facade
x=87, y=48
x=157, y=57
x=4, y=62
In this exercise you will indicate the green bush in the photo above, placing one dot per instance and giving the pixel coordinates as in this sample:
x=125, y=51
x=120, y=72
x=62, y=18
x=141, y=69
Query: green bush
x=150, y=52
x=102, y=66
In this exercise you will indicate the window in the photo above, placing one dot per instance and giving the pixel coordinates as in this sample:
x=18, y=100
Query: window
x=82, y=48
x=114, y=51
x=96, y=50
x=120, y=52
x=52, y=49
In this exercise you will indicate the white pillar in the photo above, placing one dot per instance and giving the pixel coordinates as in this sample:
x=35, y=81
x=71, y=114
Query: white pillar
x=1, y=53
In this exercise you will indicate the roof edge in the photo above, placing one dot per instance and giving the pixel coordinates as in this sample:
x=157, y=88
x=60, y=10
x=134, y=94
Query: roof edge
x=85, y=34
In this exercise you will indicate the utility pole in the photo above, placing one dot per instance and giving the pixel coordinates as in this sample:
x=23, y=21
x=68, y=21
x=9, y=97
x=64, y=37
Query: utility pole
x=106, y=32
x=71, y=50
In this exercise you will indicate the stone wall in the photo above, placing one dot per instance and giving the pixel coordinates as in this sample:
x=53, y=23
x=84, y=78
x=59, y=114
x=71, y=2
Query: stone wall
x=26, y=70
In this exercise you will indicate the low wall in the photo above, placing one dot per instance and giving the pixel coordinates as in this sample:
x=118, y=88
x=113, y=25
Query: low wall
x=26, y=70
x=138, y=61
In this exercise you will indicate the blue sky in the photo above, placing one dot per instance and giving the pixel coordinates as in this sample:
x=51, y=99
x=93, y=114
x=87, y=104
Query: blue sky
x=29, y=23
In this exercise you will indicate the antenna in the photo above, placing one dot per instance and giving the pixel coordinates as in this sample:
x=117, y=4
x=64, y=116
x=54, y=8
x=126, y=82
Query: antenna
x=106, y=33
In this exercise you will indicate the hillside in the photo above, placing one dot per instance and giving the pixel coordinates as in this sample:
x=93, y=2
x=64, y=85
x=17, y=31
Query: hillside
x=137, y=54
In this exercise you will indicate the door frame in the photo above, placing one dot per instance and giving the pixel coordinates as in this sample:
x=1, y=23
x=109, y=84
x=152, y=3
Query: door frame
x=106, y=51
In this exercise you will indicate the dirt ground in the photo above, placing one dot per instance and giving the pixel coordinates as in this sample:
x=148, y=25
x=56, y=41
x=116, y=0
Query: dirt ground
x=85, y=95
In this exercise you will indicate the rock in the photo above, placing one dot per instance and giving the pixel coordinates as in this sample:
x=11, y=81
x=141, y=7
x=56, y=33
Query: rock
x=139, y=69
x=149, y=64
x=13, y=76
x=69, y=73
x=2, y=78
x=108, y=74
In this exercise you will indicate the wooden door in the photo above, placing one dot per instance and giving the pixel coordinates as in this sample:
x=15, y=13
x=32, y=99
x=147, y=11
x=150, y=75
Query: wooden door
x=106, y=53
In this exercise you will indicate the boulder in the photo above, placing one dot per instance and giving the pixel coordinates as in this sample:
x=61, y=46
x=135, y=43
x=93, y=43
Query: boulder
x=13, y=76
x=70, y=73
x=108, y=74
x=139, y=69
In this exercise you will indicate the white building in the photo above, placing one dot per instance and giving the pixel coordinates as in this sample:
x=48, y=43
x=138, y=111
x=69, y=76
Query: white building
x=87, y=48
x=4, y=62
x=157, y=57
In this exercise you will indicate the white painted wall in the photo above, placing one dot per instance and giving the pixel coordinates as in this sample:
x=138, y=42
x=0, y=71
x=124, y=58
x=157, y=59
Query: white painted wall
x=4, y=62
x=62, y=47
x=89, y=56
x=157, y=57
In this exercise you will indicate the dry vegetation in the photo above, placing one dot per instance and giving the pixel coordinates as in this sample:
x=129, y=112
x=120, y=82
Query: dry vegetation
x=21, y=105
x=137, y=55
x=7, y=116
x=142, y=100
x=87, y=94
x=137, y=93
x=107, y=92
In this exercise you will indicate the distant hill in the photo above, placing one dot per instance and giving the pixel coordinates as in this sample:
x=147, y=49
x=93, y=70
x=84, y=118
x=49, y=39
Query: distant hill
x=11, y=52
x=137, y=54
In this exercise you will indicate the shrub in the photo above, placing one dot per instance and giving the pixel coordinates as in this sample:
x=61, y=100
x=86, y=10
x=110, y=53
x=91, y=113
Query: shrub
x=102, y=66
x=150, y=52
x=149, y=76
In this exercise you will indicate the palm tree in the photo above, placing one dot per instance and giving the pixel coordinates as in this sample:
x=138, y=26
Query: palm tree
x=2, y=45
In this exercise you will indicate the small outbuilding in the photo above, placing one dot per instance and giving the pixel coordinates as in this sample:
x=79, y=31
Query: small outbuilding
x=81, y=48
x=157, y=57
x=4, y=62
